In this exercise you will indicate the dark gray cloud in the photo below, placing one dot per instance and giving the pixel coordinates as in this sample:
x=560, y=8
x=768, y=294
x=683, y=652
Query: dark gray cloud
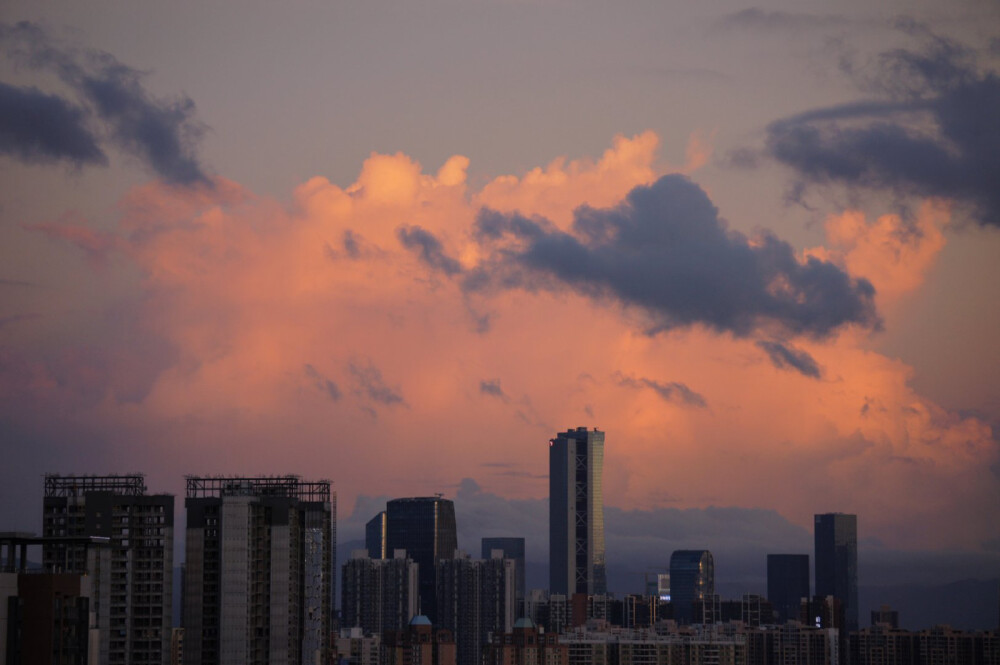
x=672, y=391
x=787, y=357
x=930, y=131
x=370, y=384
x=38, y=127
x=162, y=133
x=665, y=250
x=428, y=248
x=492, y=388
x=759, y=19
x=322, y=383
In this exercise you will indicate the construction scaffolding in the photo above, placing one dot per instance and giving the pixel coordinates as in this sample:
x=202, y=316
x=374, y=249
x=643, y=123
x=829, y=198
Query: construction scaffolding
x=290, y=486
x=133, y=484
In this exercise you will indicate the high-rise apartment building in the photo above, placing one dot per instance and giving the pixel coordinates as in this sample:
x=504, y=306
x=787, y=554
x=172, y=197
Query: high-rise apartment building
x=425, y=528
x=259, y=577
x=375, y=537
x=378, y=595
x=512, y=548
x=475, y=597
x=692, y=579
x=836, y=536
x=576, y=513
x=132, y=592
x=787, y=584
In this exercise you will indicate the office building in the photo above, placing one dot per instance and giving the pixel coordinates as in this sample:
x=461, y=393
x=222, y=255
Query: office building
x=512, y=548
x=836, y=536
x=378, y=595
x=475, y=597
x=259, y=570
x=425, y=528
x=375, y=537
x=576, y=513
x=692, y=578
x=132, y=597
x=787, y=584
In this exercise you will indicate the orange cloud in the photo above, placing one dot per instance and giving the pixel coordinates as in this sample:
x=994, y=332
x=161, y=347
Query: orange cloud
x=308, y=337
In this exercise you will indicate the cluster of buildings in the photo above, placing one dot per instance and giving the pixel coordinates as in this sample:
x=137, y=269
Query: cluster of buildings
x=259, y=582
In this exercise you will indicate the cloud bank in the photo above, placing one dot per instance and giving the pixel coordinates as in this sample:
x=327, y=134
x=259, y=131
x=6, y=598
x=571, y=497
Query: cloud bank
x=339, y=334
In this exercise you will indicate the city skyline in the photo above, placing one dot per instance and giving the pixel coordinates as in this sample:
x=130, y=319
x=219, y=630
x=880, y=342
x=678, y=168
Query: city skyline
x=400, y=247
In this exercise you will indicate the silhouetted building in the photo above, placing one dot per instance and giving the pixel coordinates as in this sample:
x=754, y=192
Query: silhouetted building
x=425, y=528
x=375, y=537
x=885, y=616
x=132, y=599
x=378, y=595
x=836, y=536
x=692, y=578
x=787, y=584
x=576, y=513
x=419, y=644
x=512, y=548
x=525, y=645
x=259, y=576
x=475, y=598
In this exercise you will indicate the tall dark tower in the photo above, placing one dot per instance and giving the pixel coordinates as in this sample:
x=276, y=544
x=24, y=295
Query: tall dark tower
x=837, y=562
x=576, y=513
x=692, y=578
x=787, y=583
x=425, y=528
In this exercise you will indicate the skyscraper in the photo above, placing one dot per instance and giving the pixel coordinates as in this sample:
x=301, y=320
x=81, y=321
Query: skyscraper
x=787, y=583
x=133, y=599
x=425, y=528
x=259, y=570
x=836, y=536
x=576, y=513
x=375, y=537
x=692, y=579
x=512, y=548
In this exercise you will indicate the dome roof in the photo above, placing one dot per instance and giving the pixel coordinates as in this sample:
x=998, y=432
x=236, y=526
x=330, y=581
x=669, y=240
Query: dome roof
x=524, y=622
x=420, y=620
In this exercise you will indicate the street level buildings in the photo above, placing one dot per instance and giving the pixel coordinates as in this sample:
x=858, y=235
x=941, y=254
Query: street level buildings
x=258, y=582
x=576, y=513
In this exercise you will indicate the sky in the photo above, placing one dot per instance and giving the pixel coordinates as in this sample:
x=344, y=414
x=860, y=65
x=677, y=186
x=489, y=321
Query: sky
x=401, y=245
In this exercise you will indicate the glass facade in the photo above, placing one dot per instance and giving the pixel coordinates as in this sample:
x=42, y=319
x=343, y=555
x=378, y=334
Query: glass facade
x=836, y=536
x=692, y=579
x=425, y=528
x=576, y=513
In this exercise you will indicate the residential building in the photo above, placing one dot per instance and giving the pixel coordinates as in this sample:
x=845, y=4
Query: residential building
x=379, y=595
x=475, y=597
x=132, y=597
x=259, y=574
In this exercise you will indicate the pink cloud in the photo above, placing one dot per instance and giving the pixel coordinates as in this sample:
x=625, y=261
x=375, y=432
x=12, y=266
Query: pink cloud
x=307, y=337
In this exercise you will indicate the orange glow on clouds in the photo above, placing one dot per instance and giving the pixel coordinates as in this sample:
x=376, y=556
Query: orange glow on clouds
x=305, y=337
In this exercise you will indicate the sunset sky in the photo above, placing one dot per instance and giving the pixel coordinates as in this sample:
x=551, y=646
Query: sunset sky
x=400, y=245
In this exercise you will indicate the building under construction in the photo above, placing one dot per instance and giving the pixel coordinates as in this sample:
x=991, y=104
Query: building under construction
x=131, y=583
x=259, y=574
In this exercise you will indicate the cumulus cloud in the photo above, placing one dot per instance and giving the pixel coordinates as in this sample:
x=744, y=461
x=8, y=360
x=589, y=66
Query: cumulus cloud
x=238, y=296
x=929, y=131
x=665, y=250
x=161, y=133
